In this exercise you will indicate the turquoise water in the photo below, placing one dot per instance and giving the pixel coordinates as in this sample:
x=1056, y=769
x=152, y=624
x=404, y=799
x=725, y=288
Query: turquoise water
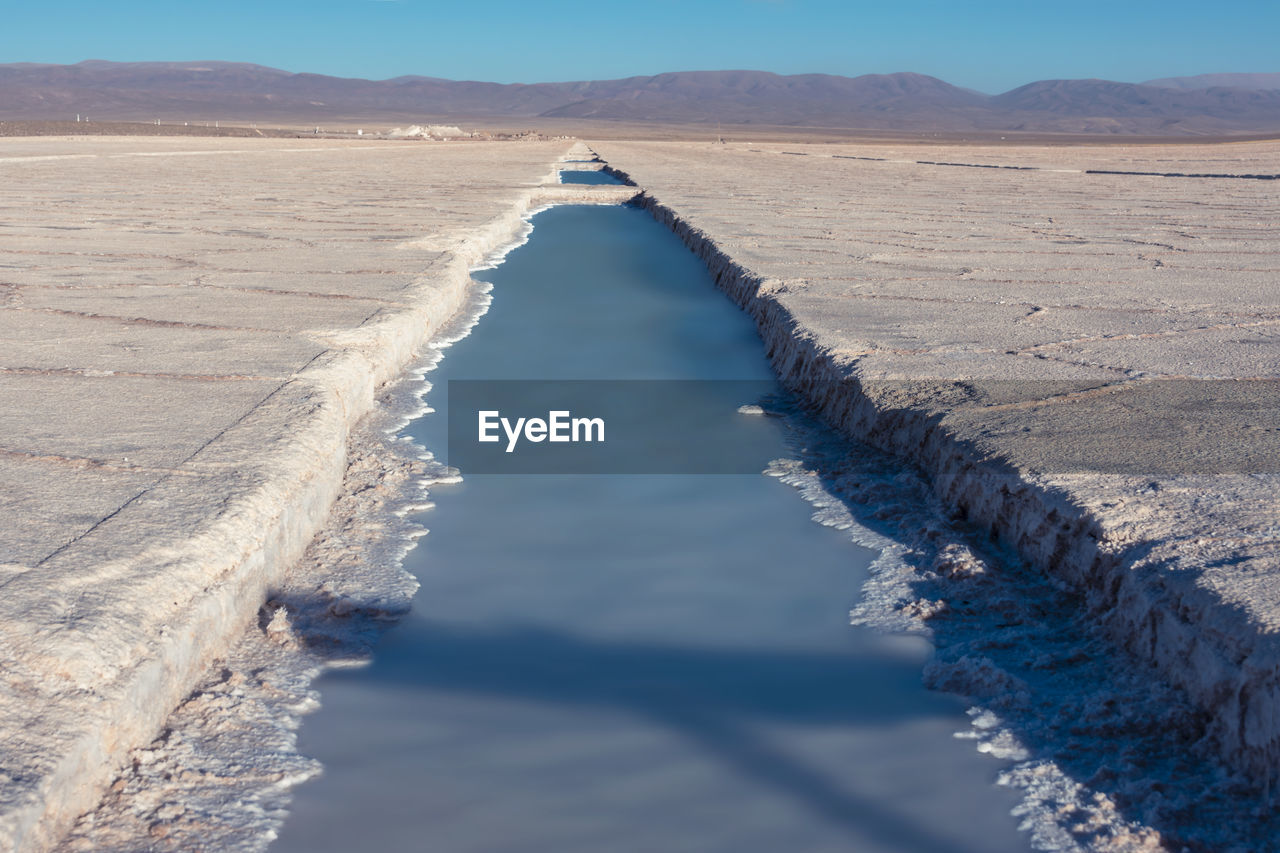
x=594, y=177
x=634, y=663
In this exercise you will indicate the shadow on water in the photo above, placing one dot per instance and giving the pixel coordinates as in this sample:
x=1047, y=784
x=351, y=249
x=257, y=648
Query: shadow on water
x=715, y=699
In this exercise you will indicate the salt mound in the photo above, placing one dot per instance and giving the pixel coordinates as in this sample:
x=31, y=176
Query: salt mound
x=431, y=131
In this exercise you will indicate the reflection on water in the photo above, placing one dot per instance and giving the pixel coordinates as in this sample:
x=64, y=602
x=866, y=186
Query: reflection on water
x=634, y=663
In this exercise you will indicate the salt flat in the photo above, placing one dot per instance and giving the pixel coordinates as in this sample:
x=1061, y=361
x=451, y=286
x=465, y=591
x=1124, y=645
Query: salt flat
x=1086, y=364
x=190, y=329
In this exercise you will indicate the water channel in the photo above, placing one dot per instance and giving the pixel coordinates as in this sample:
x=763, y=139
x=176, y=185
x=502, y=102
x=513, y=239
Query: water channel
x=598, y=178
x=634, y=662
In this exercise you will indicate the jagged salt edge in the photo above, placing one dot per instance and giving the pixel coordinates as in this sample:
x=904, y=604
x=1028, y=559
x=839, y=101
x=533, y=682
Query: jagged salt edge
x=262, y=805
x=409, y=400
x=498, y=255
x=1045, y=789
x=886, y=582
x=405, y=403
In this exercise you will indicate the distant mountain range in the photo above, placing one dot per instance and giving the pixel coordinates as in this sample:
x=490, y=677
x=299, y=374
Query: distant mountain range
x=1257, y=82
x=1209, y=104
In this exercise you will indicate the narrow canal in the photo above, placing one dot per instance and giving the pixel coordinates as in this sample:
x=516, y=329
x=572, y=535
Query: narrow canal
x=634, y=662
x=597, y=177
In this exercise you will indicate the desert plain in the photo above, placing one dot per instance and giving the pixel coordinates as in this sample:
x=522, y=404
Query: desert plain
x=1083, y=360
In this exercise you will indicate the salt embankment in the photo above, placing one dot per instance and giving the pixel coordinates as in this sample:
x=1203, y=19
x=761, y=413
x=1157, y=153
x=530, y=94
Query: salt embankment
x=1084, y=365
x=194, y=328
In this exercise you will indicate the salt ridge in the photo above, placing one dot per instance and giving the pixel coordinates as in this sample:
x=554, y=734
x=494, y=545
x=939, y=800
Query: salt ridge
x=1149, y=753
x=219, y=775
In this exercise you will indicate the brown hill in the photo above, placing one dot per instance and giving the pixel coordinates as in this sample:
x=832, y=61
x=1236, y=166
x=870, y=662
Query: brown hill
x=1210, y=81
x=212, y=90
x=744, y=97
x=1103, y=105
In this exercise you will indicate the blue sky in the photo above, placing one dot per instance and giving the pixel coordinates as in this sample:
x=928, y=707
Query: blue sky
x=990, y=46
